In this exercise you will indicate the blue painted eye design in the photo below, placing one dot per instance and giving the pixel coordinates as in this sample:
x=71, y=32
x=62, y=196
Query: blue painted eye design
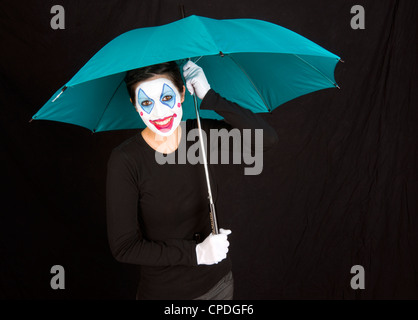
x=168, y=96
x=146, y=103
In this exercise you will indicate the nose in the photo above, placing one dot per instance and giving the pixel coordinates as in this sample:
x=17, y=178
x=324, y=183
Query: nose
x=160, y=110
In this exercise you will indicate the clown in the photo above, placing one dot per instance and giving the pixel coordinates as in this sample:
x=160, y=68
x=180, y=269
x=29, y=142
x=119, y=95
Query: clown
x=157, y=214
x=158, y=102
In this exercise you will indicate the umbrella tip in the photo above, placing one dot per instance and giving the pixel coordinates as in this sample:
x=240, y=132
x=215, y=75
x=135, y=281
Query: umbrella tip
x=62, y=91
x=181, y=7
x=337, y=86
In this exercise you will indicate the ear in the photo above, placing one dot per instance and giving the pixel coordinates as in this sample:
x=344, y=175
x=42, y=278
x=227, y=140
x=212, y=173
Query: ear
x=183, y=94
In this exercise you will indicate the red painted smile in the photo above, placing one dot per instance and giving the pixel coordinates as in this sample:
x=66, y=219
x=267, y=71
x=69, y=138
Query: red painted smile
x=165, y=124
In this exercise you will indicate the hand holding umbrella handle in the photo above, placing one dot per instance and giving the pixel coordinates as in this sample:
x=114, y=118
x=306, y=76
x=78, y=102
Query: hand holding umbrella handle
x=196, y=81
x=213, y=249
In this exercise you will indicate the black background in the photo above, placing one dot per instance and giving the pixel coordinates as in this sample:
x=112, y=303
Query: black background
x=339, y=189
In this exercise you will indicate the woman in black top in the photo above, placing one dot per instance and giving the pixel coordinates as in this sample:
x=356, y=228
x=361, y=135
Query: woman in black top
x=154, y=210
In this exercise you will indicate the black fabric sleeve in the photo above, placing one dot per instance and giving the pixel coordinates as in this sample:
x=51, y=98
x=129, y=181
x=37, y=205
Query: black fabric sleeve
x=125, y=239
x=238, y=117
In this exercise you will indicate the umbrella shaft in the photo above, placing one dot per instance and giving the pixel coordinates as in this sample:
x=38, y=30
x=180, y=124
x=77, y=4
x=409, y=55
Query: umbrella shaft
x=212, y=212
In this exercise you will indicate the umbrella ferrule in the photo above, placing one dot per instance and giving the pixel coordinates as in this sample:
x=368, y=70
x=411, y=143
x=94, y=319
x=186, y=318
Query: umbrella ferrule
x=62, y=91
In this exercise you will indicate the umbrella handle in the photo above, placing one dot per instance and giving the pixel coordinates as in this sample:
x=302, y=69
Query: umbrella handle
x=212, y=216
x=212, y=211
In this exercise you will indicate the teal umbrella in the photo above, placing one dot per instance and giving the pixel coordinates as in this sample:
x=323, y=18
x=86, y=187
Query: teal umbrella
x=257, y=64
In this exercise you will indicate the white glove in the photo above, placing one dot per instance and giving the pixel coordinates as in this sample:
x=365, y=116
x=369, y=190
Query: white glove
x=195, y=79
x=214, y=248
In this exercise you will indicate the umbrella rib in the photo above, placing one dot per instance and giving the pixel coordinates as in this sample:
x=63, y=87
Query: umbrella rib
x=239, y=66
x=107, y=105
x=252, y=83
x=316, y=69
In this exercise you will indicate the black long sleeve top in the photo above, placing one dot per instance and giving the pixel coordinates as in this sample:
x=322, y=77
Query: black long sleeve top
x=154, y=210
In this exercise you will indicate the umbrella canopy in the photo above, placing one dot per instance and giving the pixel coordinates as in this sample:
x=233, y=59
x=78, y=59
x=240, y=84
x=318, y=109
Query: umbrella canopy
x=257, y=64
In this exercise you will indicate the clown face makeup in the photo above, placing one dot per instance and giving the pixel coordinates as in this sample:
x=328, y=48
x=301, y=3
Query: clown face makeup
x=158, y=102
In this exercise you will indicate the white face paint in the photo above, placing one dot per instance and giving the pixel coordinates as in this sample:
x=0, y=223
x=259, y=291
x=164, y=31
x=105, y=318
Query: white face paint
x=158, y=102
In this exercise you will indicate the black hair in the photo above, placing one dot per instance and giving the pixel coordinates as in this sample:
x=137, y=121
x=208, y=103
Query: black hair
x=171, y=69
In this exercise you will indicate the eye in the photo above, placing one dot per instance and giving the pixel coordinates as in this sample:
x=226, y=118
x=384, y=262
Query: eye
x=168, y=96
x=146, y=103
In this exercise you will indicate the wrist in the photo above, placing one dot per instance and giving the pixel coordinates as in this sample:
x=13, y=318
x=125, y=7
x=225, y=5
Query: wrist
x=198, y=251
x=207, y=93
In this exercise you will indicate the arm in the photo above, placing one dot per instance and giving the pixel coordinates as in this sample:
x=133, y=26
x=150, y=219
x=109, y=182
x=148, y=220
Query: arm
x=125, y=238
x=237, y=117
x=234, y=115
